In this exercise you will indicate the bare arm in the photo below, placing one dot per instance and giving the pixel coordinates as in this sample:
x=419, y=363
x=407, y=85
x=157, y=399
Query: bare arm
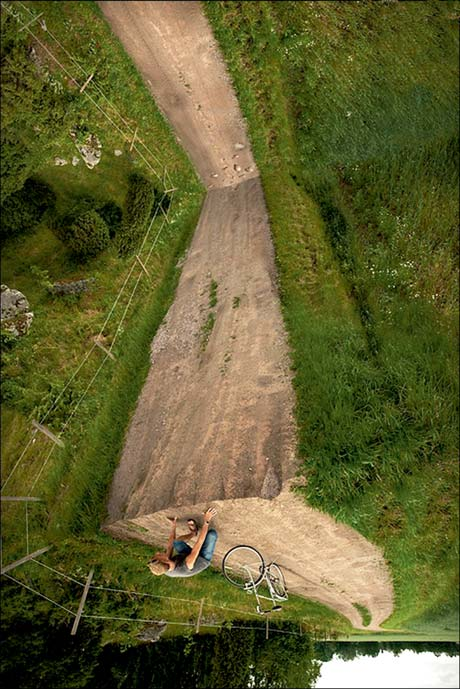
x=191, y=557
x=172, y=537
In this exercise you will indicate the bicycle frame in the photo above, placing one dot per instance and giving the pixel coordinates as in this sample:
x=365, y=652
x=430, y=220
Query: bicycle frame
x=253, y=588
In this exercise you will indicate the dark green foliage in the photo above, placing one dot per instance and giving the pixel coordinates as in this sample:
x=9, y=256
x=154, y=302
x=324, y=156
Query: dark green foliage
x=88, y=235
x=112, y=216
x=138, y=209
x=40, y=653
x=33, y=103
x=22, y=210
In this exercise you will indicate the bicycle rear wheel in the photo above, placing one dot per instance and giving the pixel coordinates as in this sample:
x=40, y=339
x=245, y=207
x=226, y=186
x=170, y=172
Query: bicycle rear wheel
x=276, y=578
x=243, y=566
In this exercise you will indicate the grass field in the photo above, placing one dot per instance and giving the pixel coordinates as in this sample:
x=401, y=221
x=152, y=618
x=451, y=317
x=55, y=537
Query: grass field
x=352, y=112
x=37, y=372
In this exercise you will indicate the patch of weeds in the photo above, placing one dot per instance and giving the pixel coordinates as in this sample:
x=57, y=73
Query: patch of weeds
x=206, y=330
x=236, y=302
x=364, y=612
x=213, y=294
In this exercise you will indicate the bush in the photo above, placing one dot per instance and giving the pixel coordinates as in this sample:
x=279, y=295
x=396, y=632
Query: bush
x=88, y=235
x=112, y=216
x=139, y=204
x=23, y=210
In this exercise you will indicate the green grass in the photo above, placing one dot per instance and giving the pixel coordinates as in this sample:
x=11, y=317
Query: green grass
x=74, y=483
x=122, y=565
x=357, y=148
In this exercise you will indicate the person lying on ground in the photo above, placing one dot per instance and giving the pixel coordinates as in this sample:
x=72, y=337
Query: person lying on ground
x=187, y=561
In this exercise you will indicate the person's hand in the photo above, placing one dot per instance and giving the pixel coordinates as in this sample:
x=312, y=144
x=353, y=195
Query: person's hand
x=209, y=514
x=172, y=519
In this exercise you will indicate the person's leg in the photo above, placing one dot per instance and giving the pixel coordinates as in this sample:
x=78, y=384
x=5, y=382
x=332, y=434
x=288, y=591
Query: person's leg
x=181, y=547
x=207, y=549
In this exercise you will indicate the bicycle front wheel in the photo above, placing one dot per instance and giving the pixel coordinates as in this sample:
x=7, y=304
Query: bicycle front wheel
x=276, y=578
x=243, y=566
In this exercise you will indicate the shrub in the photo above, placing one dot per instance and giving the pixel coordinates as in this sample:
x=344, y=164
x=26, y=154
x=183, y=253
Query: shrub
x=137, y=212
x=88, y=235
x=112, y=216
x=23, y=210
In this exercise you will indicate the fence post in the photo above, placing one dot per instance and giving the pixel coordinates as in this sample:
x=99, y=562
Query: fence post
x=104, y=349
x=47, y=432
x=21, y=561
x=134, y=139
x=199, y=617
x=82, y=604
x=86, y=82
x=266, y=628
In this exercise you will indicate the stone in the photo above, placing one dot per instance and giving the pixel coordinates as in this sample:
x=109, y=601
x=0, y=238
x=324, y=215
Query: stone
x=60, y=161
x=152, y=632
x=75, y=160
x=72, y=287
x=117, y=152
x=15, y=315
x=239, y=147
x=90, y=151
x=237, y=168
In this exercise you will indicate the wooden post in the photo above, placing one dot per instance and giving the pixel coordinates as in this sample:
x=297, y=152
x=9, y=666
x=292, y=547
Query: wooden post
x=143, y=267
x=47, y=432
x=98, y=344
x=134, y=139
x=7, y=498
x=16, y=563
x=266, y=627
x=82, y=603
x=86, y=82
x=199, y=617
x=31, y=21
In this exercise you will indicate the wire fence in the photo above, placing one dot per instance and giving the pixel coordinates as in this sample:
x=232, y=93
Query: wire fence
x=199, y=623
x=128, y=134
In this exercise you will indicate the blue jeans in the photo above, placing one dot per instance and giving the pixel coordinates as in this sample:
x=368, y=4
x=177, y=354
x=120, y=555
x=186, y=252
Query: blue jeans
x=207, y=549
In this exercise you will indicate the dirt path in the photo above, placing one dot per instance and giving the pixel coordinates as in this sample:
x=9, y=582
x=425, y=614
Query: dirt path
x=215, y=421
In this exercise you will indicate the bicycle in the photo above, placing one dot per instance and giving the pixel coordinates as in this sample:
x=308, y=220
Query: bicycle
x=244, y=567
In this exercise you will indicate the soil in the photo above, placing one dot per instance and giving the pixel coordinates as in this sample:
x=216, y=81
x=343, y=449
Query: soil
x=214, y=422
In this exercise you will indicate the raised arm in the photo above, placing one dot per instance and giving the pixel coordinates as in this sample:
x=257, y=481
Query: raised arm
x=172, y=537
x=191, y=557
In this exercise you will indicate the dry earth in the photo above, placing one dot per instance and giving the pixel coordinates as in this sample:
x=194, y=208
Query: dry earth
x=214, y=422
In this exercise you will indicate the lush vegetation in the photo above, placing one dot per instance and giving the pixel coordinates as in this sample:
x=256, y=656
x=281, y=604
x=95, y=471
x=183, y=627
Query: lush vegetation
x=352, y=110
x=38, y=379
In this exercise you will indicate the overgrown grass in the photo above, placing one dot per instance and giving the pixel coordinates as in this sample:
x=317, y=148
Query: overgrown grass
x=357, y=148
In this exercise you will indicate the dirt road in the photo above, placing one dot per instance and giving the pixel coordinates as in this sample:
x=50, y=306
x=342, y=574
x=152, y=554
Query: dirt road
x=215, y=420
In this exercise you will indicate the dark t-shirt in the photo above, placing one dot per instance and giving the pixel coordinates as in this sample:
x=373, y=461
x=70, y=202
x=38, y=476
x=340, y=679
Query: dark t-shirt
x=181, y=569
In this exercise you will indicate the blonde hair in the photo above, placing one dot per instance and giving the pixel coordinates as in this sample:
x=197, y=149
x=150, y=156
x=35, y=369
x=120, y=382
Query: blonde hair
x=157, y=568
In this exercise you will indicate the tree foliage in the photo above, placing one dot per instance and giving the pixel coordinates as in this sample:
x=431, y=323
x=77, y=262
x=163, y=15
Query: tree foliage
x=139, y=204
x=23, y=209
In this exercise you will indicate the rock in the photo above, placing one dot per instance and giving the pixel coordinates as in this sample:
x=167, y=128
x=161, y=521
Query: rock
x=117, y=152
x=73, y=287
x=152, y=632
x=15, y=315
x=237, y=168
x=60, y=161
x=75, y=160
x=90, y=151
x=215, y=175
x=239, y=147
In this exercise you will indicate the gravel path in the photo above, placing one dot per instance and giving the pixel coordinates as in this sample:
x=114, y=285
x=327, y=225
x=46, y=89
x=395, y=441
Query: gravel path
x=214, y=422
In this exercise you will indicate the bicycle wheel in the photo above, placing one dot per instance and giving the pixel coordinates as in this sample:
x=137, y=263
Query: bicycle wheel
x=243, y=566
x=276, y=578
